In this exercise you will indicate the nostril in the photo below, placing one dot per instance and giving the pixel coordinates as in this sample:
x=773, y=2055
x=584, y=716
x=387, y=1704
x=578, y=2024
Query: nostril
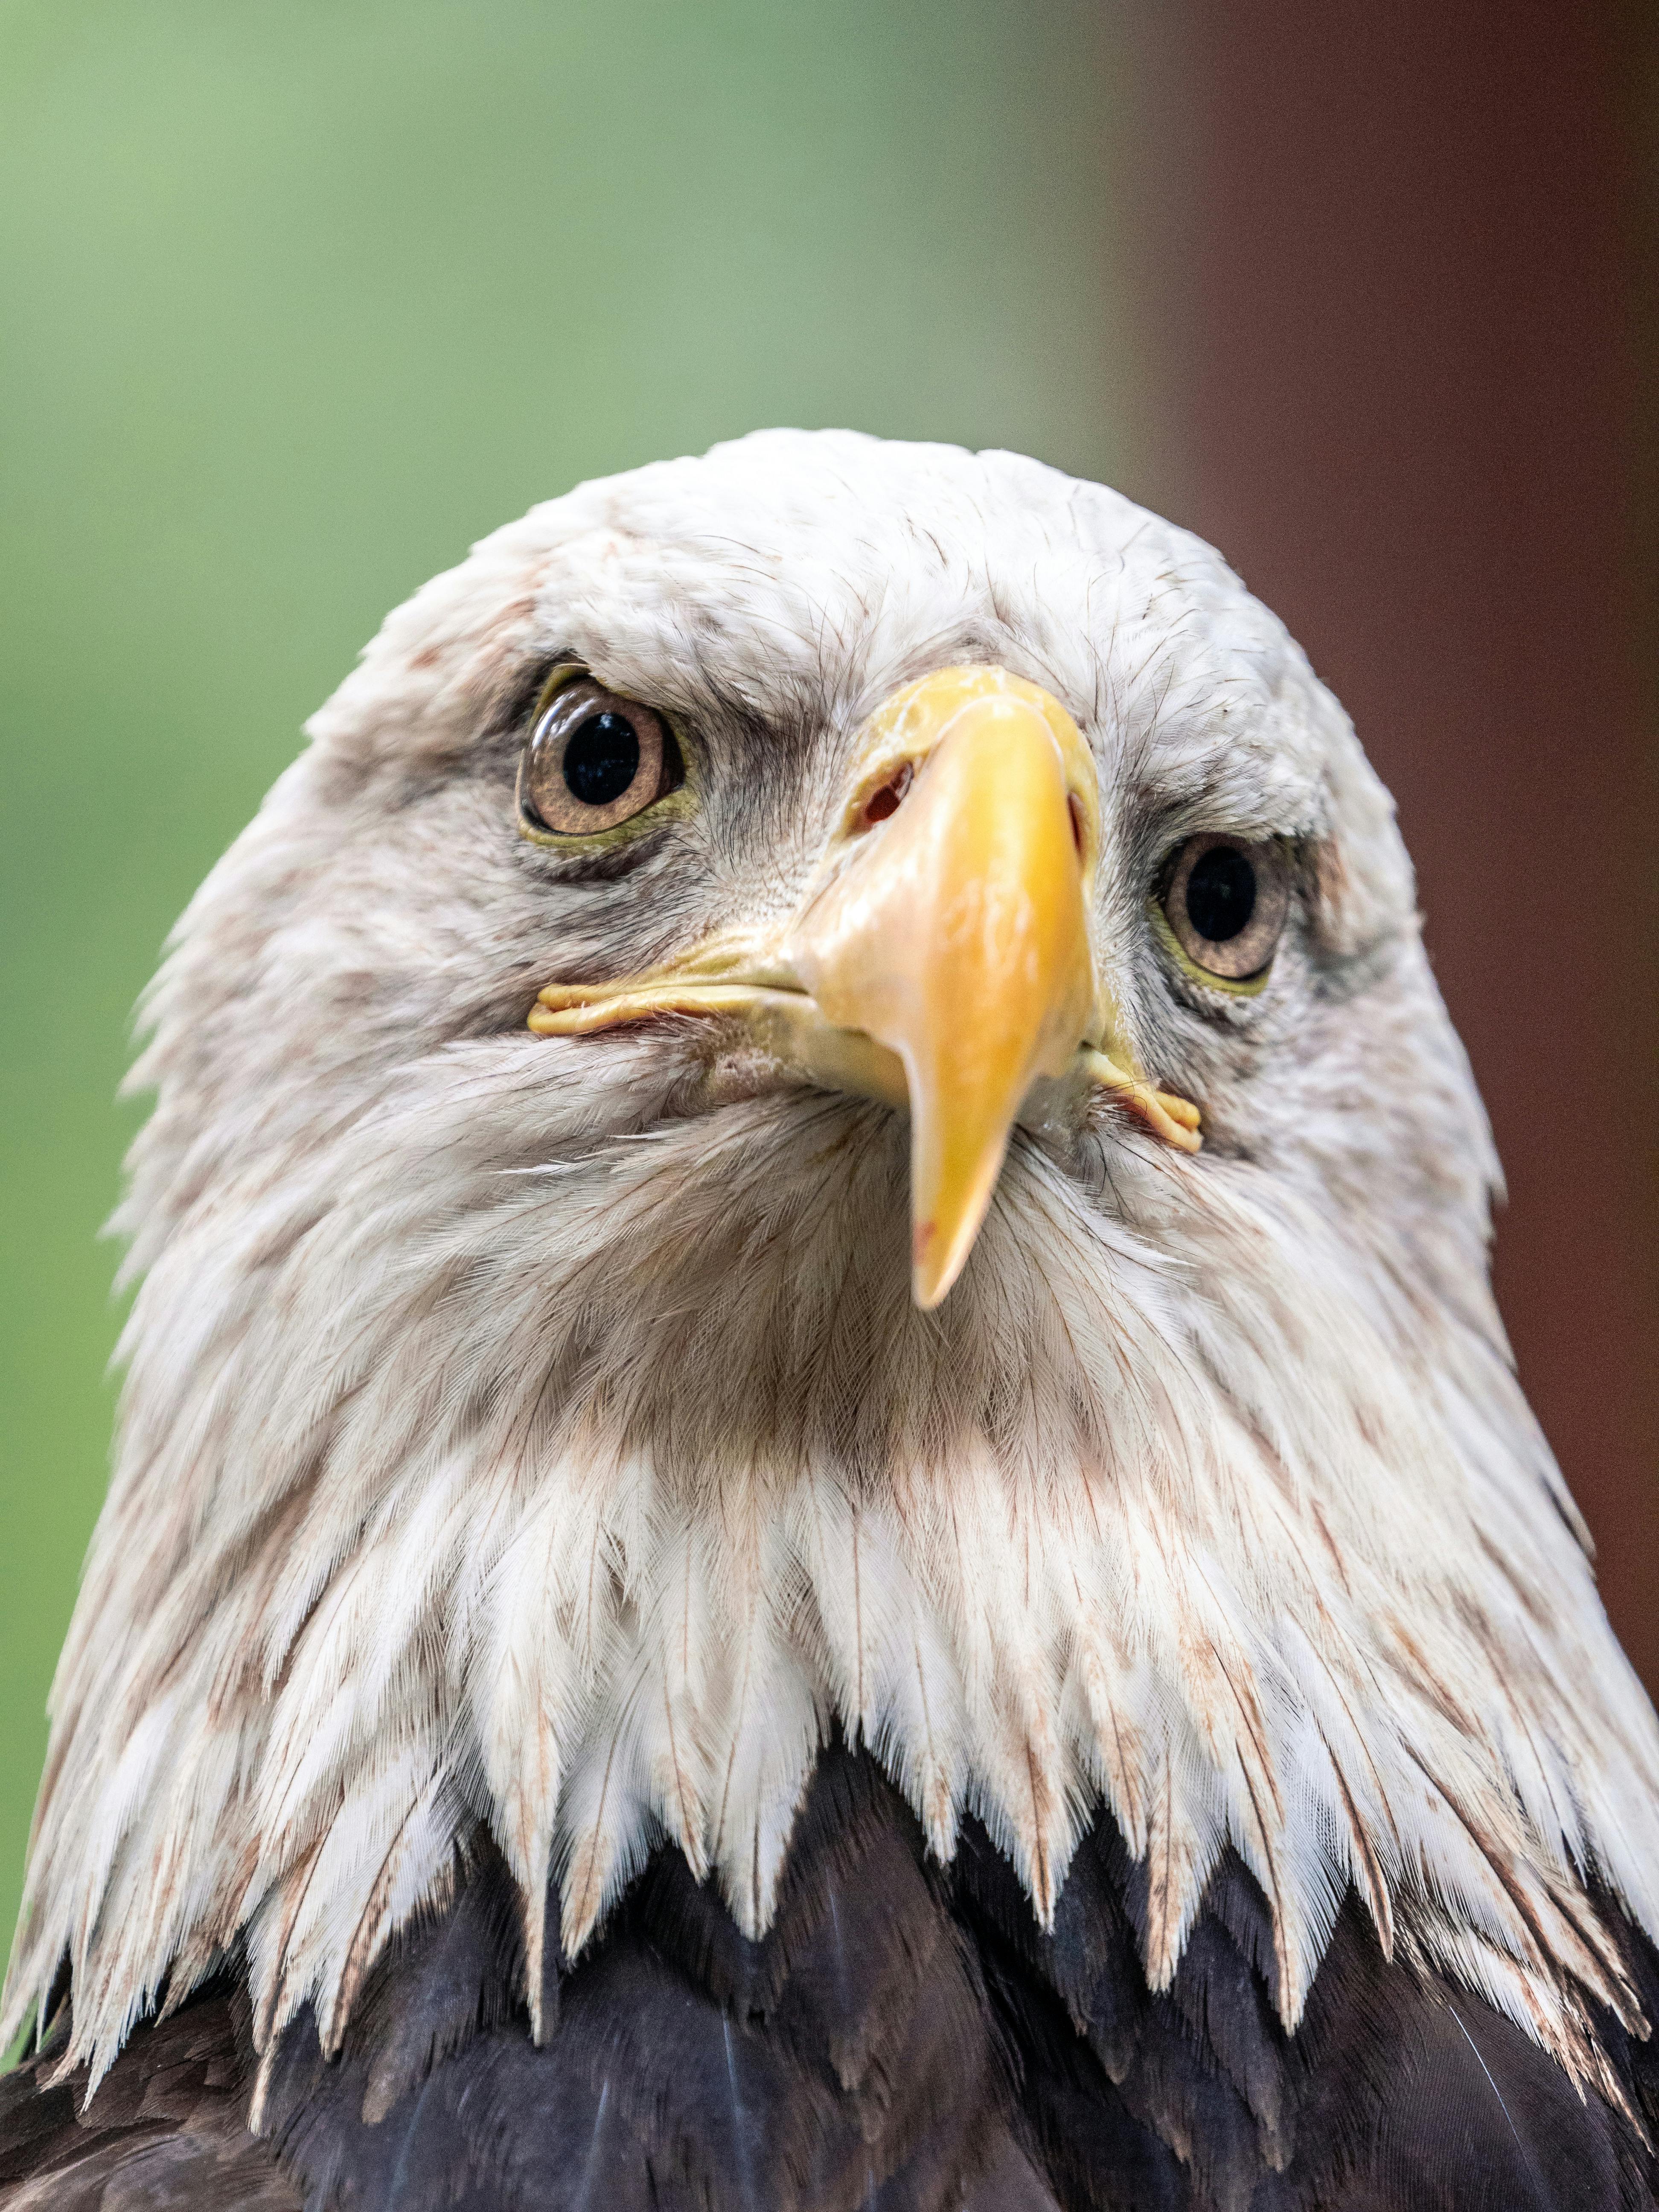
x=1074, y=808
x=890, y=798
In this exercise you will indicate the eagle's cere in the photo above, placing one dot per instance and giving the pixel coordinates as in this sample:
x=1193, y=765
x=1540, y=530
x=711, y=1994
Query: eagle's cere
x=814, y=1381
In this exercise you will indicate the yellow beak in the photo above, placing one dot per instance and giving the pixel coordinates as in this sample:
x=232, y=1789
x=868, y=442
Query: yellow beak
x=956, y=934
x=942, y=957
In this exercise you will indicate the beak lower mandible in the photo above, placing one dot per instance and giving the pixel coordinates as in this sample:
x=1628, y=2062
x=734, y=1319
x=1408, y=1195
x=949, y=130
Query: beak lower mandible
x=956, y=932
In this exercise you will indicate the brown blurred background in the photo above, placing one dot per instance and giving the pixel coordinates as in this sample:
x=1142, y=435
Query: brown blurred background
x=1408, y=296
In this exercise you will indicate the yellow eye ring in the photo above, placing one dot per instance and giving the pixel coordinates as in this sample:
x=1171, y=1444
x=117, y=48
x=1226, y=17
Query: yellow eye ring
x=593, y=763
x=1222, y=910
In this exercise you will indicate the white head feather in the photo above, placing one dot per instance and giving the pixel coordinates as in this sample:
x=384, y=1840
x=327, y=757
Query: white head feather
x=507, y=1446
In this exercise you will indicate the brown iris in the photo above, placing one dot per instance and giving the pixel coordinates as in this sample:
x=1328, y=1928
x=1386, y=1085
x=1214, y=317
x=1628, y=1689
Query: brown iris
x=1226, y=903
x=594, y=760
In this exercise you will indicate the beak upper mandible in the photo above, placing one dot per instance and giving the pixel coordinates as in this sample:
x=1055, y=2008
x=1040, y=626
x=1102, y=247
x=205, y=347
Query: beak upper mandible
x=956, y=932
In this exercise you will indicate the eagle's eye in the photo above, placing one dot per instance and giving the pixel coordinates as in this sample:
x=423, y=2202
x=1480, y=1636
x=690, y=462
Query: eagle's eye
x=593, y=759
x=1226, y=903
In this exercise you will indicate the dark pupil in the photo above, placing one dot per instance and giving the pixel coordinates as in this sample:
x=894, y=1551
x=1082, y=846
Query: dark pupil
x=602, y=759
x=1220, y=894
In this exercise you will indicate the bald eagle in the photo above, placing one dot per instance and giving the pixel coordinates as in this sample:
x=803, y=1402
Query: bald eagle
x=819, y=1507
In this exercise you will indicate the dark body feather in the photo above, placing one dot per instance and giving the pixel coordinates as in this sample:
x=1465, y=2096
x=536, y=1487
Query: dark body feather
x=905, y=2039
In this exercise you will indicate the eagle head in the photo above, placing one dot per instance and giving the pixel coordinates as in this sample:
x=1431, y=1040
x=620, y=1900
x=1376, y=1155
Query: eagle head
x=818, y=1112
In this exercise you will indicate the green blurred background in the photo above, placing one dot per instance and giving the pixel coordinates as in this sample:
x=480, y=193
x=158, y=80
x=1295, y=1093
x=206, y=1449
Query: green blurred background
x=295, y=301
